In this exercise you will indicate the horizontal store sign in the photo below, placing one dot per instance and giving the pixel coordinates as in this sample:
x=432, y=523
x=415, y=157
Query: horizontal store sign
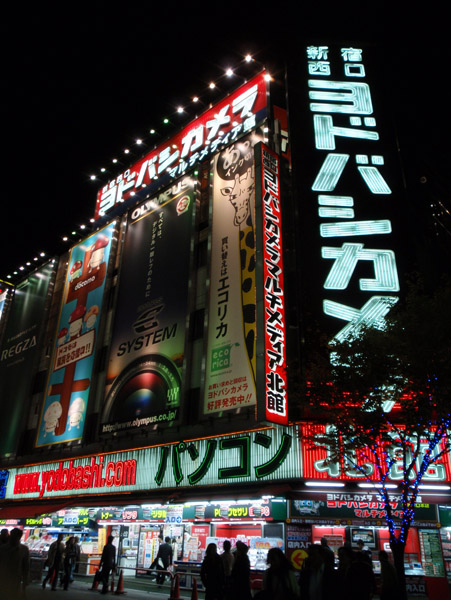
x=262, y=455
x=219, y=126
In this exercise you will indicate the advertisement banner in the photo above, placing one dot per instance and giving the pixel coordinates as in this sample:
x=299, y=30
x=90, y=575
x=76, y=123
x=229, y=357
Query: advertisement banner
x=69, y=383
x=230, y=374
x=144, y=373
x=18, y=352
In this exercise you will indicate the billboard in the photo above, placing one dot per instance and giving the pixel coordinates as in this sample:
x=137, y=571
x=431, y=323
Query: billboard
x=221, y=125
x=231, y=364
x=349, y=189
x=69, y=382
x=147, y=351
x=18, y=352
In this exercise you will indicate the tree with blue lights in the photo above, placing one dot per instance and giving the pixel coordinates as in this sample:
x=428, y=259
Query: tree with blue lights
x=381, y=404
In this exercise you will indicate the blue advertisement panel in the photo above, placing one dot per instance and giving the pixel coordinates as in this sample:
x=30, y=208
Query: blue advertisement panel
x=66, y=400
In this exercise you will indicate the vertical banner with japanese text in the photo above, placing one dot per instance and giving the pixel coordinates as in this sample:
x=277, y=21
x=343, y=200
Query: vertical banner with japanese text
x=272, y=287
x=230, y=370
x=19, y=350
x=147, y=352
x=69, y=383
x=352, y=209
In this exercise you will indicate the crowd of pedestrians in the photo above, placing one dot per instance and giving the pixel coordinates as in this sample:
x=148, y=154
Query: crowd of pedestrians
x=62, y=561
x=226, y=576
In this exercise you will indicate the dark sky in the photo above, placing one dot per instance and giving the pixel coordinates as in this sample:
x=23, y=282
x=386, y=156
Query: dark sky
x=81, y=82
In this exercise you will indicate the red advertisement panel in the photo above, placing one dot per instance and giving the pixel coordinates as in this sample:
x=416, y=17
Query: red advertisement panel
x=274, y=301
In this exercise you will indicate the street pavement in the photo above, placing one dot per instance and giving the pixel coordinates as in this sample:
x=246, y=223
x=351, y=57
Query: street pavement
x=80, y=590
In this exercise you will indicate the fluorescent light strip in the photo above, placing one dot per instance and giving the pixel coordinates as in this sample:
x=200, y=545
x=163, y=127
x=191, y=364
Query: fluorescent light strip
x=434, y=487
x=324, y=484
x=389, y=486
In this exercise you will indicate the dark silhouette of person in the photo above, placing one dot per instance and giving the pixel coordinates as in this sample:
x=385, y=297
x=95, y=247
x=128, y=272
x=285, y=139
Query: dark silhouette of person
x=70, y=557
x=4, y=536
x=389, y=578
x=212, y=574
x=107, y=562
x=165, y=555
x=14, y=566
x=241, y=571
x=279, y=581
x=328, y=553
x=227, y=562
x=360, y=581
x=54, y=561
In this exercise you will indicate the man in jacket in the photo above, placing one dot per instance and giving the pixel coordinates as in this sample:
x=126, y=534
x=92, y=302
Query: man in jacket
x=54, y=561
x=165, y=555
x=107, y=562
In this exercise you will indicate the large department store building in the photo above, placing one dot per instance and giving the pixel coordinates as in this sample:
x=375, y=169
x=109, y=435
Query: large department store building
x=144, y=374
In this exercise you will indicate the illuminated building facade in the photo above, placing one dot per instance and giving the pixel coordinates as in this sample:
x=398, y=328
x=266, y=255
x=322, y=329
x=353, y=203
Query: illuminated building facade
x=159, y=345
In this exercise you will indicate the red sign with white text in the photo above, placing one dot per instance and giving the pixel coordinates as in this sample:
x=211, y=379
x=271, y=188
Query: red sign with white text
x=274, y=301
x=316, y=464
x=219, y=126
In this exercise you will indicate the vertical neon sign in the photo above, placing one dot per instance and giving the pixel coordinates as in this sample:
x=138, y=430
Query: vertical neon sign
x=274, y=301
x=344, y=119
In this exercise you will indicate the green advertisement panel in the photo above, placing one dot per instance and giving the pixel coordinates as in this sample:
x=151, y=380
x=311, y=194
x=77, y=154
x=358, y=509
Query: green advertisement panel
x=144, y=374
x=18, y=352
x=230, y=374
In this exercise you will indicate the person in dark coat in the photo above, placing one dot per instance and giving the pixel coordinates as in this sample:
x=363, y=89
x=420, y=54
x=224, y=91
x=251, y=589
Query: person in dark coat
x=279, y=581
x=212, y=574
x=360, y=581
x=70, y=557
x=389, y=578
x=107, y=562
x=14, y=567
x=54, y=561
x=165, y=555
x=328, y=554
x=4, y=536
x=241, y=572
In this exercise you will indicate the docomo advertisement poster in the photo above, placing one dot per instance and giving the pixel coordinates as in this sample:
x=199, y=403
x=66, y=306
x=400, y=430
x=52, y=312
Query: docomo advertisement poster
x=66, y=400
x=144, y=373
x=228, y=120
x=230, y=377
x=273, y=291
x=317, y=465
x=19, y=351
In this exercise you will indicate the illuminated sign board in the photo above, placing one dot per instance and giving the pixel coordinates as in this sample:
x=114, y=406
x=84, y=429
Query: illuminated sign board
x=273, y=291
x=317, y=465
x=352, y=190
x=261, y=455
x=69, y=382
x=218, y=127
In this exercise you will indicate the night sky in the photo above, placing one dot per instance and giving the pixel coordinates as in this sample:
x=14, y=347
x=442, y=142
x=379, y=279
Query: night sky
x=82, y=83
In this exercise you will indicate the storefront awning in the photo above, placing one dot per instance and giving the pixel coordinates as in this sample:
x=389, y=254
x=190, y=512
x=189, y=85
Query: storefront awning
x=23, y=511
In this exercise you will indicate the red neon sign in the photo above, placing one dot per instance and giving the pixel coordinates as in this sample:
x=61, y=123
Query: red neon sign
x=274, y=302
x=219, y=126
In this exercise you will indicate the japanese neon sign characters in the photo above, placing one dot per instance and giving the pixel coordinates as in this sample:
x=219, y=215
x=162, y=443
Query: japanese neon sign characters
x=218, y=127
x=352, y=191
x=261, y=455
x=66, y=400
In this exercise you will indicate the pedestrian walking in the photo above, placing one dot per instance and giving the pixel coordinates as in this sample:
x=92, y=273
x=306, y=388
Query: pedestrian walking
x=212, y=573
x=165, y=555
x=389, y=578
x=241, y=571
x=54, y=561
x=70, y=557
x=14, y=567
x=107, y=563
x=227, y=559
x=77, y=555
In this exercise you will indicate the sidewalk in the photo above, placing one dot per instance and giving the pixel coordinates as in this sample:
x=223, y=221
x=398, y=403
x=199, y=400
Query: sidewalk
x=80, y=590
